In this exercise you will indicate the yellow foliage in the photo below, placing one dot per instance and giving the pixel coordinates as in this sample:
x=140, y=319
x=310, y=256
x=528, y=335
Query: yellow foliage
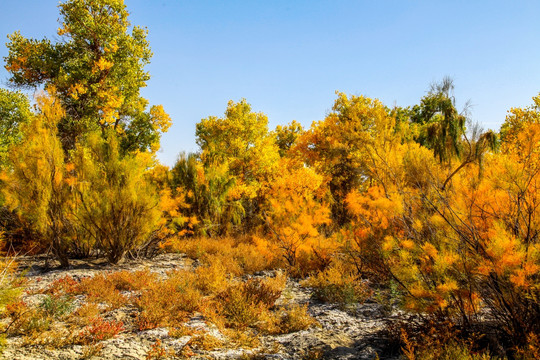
x=36, y=186
x=160, y=119
x=294, y=212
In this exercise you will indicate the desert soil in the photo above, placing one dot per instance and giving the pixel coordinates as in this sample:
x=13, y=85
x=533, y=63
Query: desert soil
x=354, y=332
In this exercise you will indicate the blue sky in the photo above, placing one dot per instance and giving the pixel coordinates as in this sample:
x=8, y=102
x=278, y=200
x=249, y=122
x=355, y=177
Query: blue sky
x=287, y=58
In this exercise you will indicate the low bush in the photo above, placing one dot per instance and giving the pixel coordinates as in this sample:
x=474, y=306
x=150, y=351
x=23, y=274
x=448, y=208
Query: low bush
x=64, y=285
x=25, y=320
x=439, y=344
x=205, y=341
x=84, y=314
x=286, y=320
x=168, y=302
x=100, y=289
x=337, y=285
x=243, y=304
x=132, y=280
x=238, y=307
x=158, y=351
x=100, y=329
x=210, y=278
x=242, y=338
x=10, y=293
x=244, y=255
x=265, y=291
x=57, y=306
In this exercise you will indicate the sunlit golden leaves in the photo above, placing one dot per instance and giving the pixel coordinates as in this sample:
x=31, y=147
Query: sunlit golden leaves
x=35, y=187
x=294, y=211
x=342, y=145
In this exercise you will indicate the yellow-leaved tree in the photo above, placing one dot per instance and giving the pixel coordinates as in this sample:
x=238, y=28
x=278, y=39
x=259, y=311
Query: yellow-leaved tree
x=339, y=146
x=118, y=204
x=240, y=140
x=35, y=186
x=295, y=210
x=458, y=246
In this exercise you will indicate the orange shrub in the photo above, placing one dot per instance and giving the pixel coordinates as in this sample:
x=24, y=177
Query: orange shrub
x=100, y=329
x=286, y=320
x=132, y=280
x=238, y=255
x=244, y=303
x=168, y=302
x=101, y=289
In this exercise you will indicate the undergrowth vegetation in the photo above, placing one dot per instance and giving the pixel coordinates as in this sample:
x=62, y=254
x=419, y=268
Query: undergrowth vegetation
x=82, y=311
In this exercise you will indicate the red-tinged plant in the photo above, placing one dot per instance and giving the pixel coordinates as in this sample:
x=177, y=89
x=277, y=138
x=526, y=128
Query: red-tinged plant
x=64, y=285
x=158, y=351
x=102, y=289
x=100, y=329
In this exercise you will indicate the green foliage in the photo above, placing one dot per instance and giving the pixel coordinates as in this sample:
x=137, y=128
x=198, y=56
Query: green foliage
x=96, y=70
x=441, y=126
x=207, y=190
x=286, y=136
x=14, y=111
x=57, y=306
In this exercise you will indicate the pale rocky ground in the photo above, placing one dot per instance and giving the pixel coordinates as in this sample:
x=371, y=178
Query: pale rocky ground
x=352, y=333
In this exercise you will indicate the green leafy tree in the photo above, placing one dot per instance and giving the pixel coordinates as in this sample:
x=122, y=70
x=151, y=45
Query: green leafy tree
x=286, y=136
x=441, y=125
x=438, y=125
x=14, y=111
x=207, y=190
x=242, y=142
x=96, y=69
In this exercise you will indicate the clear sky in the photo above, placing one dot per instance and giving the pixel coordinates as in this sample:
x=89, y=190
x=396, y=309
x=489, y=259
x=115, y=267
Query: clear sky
x=287, y=58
